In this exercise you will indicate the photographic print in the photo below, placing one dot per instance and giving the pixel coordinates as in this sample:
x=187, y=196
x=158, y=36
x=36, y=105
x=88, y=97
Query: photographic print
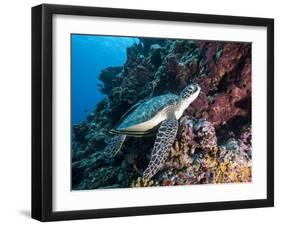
x=138, y=112
x=159, y=112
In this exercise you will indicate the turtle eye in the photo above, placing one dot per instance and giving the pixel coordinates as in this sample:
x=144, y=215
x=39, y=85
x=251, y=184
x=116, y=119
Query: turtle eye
x=194, y=87
x=189, y=90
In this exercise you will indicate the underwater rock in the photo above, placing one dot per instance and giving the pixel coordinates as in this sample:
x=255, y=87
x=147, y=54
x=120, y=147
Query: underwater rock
x=148, y=42
x=197, y=133
x=245, y=142
x=109, y=78
x=80, y=131
x=155, y=55
x=213, y=143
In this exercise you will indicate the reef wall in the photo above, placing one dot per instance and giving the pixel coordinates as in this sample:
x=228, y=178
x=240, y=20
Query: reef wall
x=213, y=144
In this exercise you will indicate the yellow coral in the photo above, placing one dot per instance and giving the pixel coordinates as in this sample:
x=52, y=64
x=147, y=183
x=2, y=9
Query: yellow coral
x=231, y=172
x=210, y=162
x=141, y=182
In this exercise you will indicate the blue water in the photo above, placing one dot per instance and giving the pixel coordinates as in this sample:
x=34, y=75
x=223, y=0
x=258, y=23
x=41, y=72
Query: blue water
x=90, y=55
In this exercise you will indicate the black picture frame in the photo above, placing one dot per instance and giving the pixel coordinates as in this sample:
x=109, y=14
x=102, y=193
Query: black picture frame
x=42, y=111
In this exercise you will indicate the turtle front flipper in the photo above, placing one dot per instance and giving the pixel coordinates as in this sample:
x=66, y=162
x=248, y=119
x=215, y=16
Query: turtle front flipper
x=114, y=145
x=165, y=138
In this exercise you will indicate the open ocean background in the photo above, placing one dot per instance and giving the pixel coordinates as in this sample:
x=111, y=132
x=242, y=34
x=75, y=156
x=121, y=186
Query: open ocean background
x=90, y=55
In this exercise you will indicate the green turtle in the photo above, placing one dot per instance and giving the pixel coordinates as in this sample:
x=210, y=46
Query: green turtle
x=160, y=114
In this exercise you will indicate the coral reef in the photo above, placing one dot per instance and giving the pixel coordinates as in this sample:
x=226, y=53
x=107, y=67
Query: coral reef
x=213, y=144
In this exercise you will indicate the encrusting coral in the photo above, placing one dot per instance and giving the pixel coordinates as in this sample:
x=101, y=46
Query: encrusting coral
x=213, y=143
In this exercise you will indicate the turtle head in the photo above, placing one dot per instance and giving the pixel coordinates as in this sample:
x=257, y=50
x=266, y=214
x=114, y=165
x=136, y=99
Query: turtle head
x=190, y=92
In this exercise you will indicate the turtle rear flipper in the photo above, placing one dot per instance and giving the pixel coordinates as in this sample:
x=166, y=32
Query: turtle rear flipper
x=114, y=145
x=162, y=146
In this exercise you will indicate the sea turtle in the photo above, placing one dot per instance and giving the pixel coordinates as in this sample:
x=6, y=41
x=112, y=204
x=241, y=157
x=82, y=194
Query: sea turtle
x=158, y=113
